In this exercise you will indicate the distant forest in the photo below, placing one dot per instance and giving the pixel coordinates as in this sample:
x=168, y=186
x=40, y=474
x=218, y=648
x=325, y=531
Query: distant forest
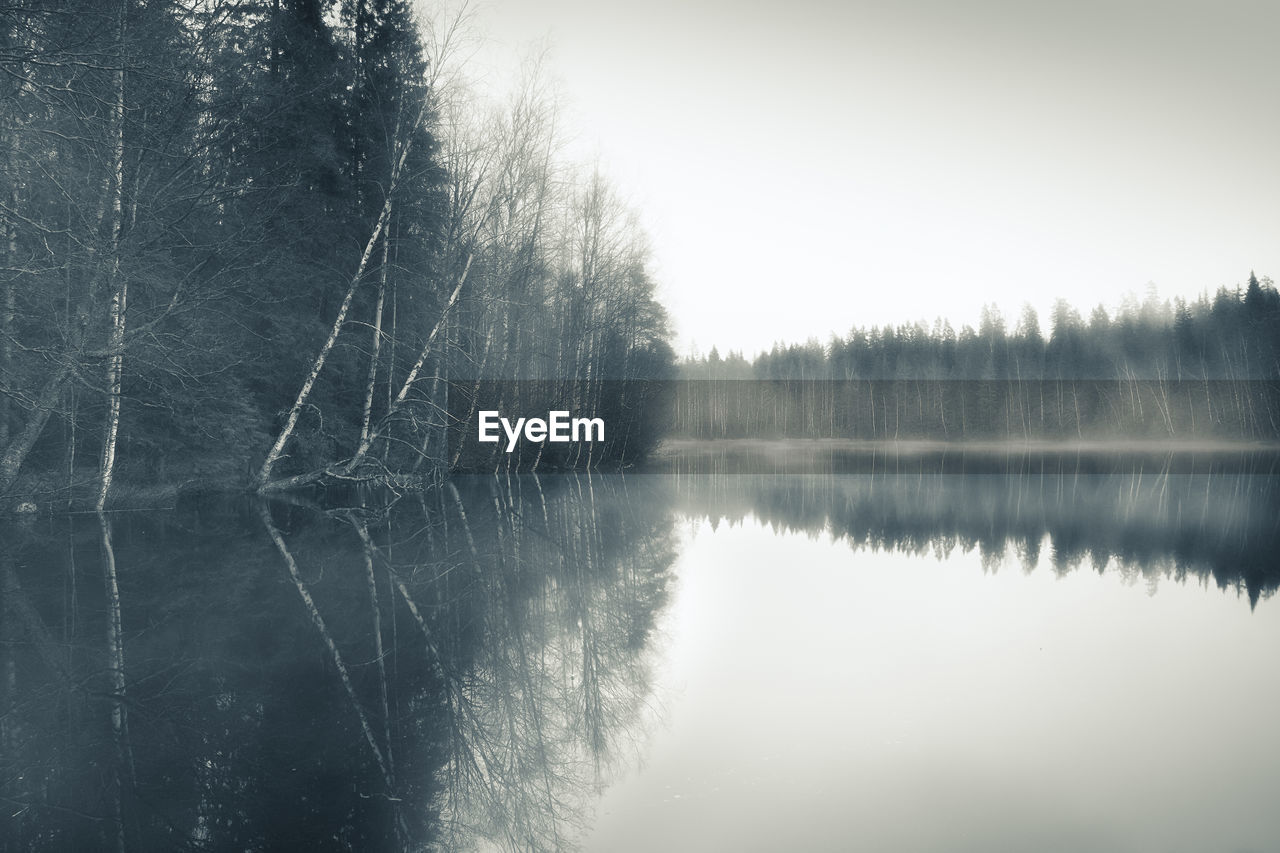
x=255, y=243
x=1156, y=369
x=1235, y=334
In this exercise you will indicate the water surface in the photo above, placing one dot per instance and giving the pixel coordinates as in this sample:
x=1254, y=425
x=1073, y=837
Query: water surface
x=918, y=661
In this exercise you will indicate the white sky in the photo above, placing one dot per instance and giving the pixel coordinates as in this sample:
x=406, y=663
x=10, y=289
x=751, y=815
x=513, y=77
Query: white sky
x=806, y=166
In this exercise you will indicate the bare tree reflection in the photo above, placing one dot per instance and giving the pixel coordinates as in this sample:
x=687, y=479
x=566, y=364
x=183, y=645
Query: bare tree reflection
x=66, y=707
x=459, y=669
x=122, y=769
x=551, y=680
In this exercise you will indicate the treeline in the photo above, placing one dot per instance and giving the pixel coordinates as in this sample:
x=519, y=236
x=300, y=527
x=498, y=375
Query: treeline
x=259, y=242
x=954, y=410
x=1235, y=334
x=1206, y=369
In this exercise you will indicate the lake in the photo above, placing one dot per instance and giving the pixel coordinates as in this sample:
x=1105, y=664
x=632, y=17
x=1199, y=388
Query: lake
x=899, y=658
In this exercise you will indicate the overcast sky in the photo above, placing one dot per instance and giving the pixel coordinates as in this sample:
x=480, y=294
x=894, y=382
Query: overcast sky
x=806, y=166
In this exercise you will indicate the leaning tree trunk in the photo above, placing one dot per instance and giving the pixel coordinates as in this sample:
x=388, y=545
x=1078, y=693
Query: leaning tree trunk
x=346, y=468
x=376, y=344
x=273, y=456
x=412, y=378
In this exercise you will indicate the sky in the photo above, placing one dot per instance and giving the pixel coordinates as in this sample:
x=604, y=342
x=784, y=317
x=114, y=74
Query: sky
x=806, y=166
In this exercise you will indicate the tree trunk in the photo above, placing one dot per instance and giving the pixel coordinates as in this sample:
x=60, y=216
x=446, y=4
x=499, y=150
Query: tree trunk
x=115, y=371
x=474, y=400
x=375, y=347
x=16, y=452
x=7, y=315
x=119, y=285
x=291, y=421
x=345, y=469
x=409, y=381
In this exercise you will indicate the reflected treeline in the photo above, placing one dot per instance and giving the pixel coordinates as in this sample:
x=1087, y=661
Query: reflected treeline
x=748, y=456
x=462, y=669
x=1219, y=527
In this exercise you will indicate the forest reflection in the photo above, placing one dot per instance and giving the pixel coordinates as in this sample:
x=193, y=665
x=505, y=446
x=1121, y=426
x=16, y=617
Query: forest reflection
x=461, y=670
x=1222, y=528
x=465, y=668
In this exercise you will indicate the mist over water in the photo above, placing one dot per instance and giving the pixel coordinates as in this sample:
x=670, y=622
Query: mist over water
x=916, y=660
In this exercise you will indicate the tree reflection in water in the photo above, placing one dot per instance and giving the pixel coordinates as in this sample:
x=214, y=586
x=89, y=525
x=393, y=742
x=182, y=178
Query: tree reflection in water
x=461, y=668
x=1219, y=527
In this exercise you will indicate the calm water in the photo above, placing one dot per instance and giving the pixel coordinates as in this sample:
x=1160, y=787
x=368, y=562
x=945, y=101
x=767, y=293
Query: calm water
x=922, y=661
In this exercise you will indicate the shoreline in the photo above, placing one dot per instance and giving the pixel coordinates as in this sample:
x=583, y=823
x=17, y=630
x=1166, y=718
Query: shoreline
x=808, y=454
x=915, y=446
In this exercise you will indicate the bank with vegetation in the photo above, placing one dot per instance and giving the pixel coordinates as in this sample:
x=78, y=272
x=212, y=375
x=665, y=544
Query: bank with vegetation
x=271, y=245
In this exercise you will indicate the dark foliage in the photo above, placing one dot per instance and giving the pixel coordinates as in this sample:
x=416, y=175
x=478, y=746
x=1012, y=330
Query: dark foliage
x=194, y=199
